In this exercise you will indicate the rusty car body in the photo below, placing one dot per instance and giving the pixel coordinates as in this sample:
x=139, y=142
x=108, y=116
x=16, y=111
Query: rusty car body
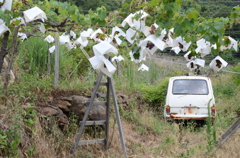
x=189, y=98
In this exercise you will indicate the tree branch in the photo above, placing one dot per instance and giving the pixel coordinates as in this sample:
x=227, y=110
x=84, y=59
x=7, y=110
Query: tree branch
x=4, y=51
x=53, y=24
x=31, y=34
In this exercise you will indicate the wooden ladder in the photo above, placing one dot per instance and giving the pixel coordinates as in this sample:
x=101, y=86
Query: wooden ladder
x=84, y=122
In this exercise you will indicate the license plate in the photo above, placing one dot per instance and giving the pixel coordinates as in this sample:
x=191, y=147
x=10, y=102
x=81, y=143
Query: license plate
x=190, y=110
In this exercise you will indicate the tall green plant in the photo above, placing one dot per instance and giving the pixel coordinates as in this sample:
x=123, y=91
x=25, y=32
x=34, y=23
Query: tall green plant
x=152, y=76
x=211, y=130
x=33, y=55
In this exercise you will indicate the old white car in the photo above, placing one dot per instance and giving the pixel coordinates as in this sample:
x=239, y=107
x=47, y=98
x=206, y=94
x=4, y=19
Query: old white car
x=189, y=98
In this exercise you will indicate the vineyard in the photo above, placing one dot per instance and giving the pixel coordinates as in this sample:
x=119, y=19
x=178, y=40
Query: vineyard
x=51, y=55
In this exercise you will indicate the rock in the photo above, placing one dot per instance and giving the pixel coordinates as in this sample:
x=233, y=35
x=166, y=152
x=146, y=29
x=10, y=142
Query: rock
x=66, y=98
x=25, y=107
x=80, y=104
x=55, y=111
x=63, y=105
x=123, y=99
x=80, y=100
x=49, y=111
x=98, y=113
x=62, y=119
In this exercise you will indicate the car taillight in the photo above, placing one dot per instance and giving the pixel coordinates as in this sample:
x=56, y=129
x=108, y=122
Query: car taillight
x=168, y=110
x=213, y=110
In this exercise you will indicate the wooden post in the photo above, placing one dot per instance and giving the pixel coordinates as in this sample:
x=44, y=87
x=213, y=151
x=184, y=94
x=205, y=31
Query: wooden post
x=56, y=66
x=118, y=68
x=49, y=61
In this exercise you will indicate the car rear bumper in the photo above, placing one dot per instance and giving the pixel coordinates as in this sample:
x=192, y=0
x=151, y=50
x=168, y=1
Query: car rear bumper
x=173, y=117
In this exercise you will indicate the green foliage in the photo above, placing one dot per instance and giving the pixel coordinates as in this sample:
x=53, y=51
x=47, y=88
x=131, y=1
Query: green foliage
x=152, y=76
x=236, y=77
x=141, y=129
x=155, y=95
x=224, y=90
x=131, y=116
x=85, y=5
x=3, y=141
x=99, y=17
x=73, y=126
x=33, y=56
x=189, y=153
x=30, y=118
x=215, y=10
x=158, y=127
x=33, y=60
x=10, y=139
x=169, y=140
x=211, y=131
x=185, y=17
x=131, y=78
x=31, y=86
x=5, y=17
x=61, y=10
x=213, y=30
x=130, y=75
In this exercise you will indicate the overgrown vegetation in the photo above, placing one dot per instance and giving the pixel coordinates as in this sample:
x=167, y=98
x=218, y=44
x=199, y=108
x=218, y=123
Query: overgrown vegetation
x=155, y=95
x=26, y=132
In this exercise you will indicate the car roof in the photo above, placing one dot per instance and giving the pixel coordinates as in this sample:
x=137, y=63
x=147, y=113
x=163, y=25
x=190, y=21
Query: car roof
x=189, y=77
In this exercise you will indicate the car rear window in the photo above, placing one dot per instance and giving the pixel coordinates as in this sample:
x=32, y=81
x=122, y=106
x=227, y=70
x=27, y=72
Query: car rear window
x=190, y=87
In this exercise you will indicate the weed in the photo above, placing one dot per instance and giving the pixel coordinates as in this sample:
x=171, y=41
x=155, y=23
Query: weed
x=169, y=140
x=10, y=139
x=130, y=116
x=30, y=118
x=73, y=125
x=236, y=77
x=31, y=151
x=3, y=141
x=188, y=154
x=211, y=131
x=85, y=155
x=31, y=86
x=158, y=127
x=224, y=88
x=141, y=129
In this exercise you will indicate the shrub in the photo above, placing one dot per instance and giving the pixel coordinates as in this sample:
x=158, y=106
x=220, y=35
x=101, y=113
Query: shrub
x=155, y=95
x=236, y=77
